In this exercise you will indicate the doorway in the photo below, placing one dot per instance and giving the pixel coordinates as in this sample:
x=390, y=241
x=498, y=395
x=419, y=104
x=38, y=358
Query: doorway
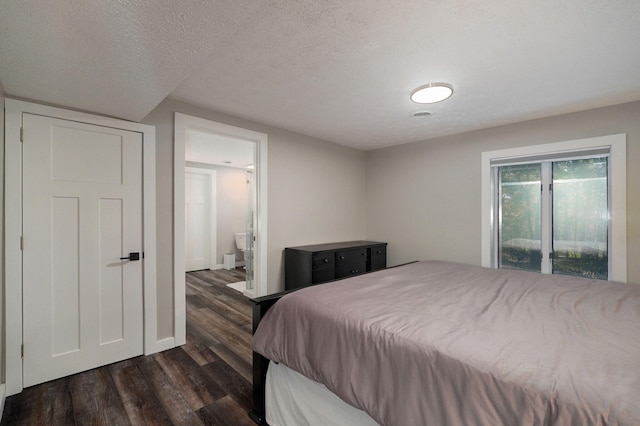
x=254, y=218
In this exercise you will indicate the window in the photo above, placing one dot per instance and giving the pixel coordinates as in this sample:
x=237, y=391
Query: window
x=552, y=216
x=557, y=208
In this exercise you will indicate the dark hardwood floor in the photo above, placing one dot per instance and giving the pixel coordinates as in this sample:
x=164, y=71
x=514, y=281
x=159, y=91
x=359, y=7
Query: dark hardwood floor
x=205, y=382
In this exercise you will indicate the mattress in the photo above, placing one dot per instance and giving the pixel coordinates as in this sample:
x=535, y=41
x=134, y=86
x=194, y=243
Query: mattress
x=459, y=344
x=293, y=399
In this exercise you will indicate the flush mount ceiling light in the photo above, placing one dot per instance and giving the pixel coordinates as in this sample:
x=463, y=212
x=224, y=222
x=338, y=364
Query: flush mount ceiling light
x=431, y=93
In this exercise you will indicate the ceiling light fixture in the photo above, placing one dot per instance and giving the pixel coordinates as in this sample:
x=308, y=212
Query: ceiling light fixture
x=431, y=93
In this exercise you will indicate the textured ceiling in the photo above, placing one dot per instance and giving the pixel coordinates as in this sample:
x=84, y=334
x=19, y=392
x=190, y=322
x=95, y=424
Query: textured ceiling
x=337, y=70
x=219, y=150
x=115, y=57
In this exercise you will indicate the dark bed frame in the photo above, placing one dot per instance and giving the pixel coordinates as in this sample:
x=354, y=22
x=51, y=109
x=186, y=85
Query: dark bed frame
x=260, y=307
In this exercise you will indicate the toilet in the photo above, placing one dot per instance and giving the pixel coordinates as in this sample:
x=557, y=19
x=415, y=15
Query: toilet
x=241, y=242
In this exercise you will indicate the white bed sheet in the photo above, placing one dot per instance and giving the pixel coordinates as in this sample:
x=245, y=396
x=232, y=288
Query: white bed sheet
x=293, y=399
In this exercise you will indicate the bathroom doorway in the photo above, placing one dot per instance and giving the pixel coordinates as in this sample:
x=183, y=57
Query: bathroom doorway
x=237, y=159
x=218, y=203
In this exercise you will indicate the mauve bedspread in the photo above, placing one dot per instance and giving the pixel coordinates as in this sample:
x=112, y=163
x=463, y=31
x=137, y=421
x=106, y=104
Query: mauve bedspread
x=448, y=344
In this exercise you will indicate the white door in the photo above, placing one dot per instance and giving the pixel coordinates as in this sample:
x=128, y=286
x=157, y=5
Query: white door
x=199, y=222
x=82, y=213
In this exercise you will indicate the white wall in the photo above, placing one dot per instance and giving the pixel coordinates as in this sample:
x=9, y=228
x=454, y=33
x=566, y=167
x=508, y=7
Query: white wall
x=232, y=208
x=316, y=193
x=424, y=198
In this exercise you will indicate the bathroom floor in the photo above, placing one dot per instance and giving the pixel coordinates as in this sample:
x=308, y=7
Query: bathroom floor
x=233, y=279
x=219, y=276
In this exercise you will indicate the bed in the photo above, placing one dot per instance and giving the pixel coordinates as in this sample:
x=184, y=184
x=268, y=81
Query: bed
x=444, y=343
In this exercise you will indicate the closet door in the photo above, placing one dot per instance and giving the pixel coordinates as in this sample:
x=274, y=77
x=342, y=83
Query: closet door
x=200, y=240
x=82, y=217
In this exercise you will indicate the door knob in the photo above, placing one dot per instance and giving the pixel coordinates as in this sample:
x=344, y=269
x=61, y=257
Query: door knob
x=132, y=257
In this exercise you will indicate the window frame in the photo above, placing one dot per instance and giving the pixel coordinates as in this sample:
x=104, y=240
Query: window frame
x=615, y=144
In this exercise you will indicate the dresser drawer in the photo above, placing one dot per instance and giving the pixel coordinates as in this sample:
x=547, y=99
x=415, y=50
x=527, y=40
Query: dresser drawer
x=323, y=274
x=322, y=260
x=377, y=258
x=380, y=250
x=347, y=270
x=350, y=257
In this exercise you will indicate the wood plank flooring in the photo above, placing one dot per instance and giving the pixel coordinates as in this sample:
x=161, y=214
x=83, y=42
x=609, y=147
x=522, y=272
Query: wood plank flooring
x=207, y=381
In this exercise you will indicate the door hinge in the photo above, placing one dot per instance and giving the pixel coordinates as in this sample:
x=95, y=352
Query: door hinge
x=22, y=351
x=21, y=242
x=21, y=134
x=550, y=187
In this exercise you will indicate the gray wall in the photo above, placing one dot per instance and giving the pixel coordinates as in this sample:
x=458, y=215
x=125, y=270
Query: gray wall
x=2, y=366
x=316, y=193
x=424, y=198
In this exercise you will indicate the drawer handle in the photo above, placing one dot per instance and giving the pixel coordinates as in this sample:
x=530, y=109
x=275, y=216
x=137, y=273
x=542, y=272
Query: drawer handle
x=341, y=257
x=363, y=254
x=325, y=260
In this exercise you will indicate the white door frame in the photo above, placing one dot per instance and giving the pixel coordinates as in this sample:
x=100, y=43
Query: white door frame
x=14, y=110
x=213, y=218
x=184, y=122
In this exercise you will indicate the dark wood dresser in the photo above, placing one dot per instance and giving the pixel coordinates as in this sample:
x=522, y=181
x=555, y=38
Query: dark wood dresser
x=315, y=264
